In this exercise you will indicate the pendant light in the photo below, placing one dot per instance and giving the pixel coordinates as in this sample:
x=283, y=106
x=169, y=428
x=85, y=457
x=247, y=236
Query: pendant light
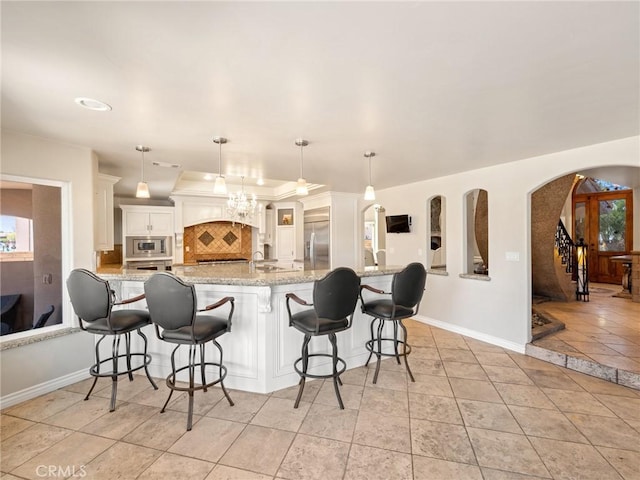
x=301, y=187
x=220, y=187
x=143, y=189
x=369, y=193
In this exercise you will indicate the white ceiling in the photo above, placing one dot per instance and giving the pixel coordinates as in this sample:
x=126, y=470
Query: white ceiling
x=432, y=88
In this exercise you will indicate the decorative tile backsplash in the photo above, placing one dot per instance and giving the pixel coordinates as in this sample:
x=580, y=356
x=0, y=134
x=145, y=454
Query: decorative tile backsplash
x=216, y=241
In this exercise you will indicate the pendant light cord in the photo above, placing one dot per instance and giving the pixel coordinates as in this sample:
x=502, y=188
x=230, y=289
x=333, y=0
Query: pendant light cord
x=301, y=159
x=142, y=164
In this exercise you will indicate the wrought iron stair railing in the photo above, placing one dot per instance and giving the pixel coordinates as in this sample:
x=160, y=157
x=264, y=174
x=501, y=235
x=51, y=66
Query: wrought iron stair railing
x=565, y=246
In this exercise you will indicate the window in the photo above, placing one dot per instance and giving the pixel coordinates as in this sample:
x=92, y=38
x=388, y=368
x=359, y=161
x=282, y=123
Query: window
x=477, y=232
x=437, y=259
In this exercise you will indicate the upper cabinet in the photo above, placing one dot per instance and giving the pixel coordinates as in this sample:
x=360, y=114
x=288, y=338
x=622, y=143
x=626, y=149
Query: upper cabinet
x=103, y=216
x=147, y=220
x=289, y=237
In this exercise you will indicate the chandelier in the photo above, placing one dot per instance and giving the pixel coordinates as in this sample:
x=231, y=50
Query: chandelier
x=241, y=208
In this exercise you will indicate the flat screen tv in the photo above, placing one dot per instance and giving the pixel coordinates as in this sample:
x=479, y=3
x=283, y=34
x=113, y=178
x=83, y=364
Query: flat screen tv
x=398, y=223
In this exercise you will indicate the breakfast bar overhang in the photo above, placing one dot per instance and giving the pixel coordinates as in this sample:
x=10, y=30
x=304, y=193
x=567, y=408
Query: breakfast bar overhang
x=261, y=348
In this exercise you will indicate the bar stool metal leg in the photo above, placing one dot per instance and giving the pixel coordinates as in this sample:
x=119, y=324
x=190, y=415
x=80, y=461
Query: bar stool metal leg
x=405, y=355
x=336, y=377
x=305, y=365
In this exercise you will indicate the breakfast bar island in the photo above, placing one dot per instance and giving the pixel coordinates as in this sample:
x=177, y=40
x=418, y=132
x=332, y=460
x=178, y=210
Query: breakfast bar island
x=261, y=348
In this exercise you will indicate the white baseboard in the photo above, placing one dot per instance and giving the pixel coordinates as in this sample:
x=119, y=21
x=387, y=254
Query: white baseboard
x=42, y=388
x=483, y=337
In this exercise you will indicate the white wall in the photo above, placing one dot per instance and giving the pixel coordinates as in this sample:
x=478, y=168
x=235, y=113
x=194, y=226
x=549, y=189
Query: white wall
x=499, y=309
x=26, y=367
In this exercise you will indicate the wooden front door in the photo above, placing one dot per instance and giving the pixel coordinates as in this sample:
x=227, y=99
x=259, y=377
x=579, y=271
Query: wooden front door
x=605, y=221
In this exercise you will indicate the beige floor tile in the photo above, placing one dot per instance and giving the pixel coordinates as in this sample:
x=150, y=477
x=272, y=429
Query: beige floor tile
x=160, y=431
x=8, y=476
x=74, y=452
x=354, y=376
x=591, y=347
x=314, y=458
x=123, y=420
x=395, y=379
x=122, y=461
x=421, y=341
x=524, y=395
x=385, y=402
x=392, y=433
x=577, y=402
x=490, y=416
x=617, y=361
x=222, y=472
x=480, y=390
x=387, y=364
x=506, y=451
x=597, y=385
x=573, y=460
x=425, y=468
x=11, y=425
x=30, y=442
x=606, y=431
x=441, y=440
x=495, y=359
x=311, y=389
x=44, y=406
x=499, y=374
x=478, y=346
x=202, y=401
x=626, y=463
x=267, y=447
x=208, y=440
x=171, y=467
x=492, y=474
x=435, y=408
x=126, y=389
x=246, y=405
x=427, y=353
x=330, y=421
x=457, y=355
x=626, y=408
x=547, y=424
x=430, y=385
x=531, y=363
x=425, y=366
x=452, y=342
x=151, y=397
x=552, y=379
x=80, y=414
x=368, y=463
x=351, y=395
x=84, y=386
x=471, y=371
x=279, y=413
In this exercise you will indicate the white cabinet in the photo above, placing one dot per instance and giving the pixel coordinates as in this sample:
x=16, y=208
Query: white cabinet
x=145, y=220
x=286, y=244
x=103, y=208
x=289, y=231
x=269, y=223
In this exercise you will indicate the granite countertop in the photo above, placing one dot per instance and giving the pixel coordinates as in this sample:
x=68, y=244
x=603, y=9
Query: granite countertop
x=235, y=274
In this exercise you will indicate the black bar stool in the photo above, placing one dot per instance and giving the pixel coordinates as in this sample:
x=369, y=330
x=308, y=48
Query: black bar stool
x=92, y=301
x=334, y=301
x=173, y=307
x=407, y=287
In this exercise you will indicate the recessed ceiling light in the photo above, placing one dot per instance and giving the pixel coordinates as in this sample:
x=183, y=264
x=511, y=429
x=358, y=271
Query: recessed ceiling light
x=93, y=104
x=208, y=176
x=260, y=181
x=165, y=164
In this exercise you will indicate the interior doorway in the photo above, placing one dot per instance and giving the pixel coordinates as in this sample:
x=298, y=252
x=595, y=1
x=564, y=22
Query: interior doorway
x=603, y=217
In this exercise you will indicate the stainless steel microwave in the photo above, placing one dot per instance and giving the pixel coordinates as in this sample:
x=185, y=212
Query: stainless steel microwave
x=147, y=247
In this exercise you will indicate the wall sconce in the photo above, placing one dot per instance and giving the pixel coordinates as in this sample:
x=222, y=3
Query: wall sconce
x=582, y=288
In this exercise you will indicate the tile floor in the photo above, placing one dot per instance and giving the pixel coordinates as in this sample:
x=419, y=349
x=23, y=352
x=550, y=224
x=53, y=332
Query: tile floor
x=475, y=411
x=602, y=336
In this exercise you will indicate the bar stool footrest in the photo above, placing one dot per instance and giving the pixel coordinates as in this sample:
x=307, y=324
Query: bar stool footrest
x=171, y=379
x=341, y=363
x=369, y=347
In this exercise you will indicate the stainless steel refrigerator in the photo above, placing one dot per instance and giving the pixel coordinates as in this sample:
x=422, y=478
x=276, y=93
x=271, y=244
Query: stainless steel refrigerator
x=316, y=239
